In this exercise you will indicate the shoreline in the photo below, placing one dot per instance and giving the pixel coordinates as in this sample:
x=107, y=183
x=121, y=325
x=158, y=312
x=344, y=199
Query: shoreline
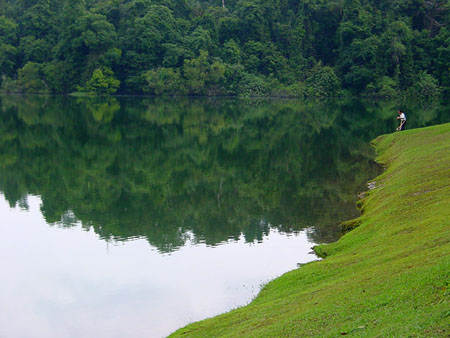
x=393, y=259
x=400, y=96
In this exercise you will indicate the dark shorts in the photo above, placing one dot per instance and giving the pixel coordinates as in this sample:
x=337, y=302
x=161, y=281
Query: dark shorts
x=403, y=124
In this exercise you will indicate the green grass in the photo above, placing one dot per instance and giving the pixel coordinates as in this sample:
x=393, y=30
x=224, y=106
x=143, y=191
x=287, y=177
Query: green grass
x=387, y=278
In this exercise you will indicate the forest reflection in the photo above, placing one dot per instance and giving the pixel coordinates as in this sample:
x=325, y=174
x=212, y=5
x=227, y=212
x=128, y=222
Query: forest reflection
x=203, y=170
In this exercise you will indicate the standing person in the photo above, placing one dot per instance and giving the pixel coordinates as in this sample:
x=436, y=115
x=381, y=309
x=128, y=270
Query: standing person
x=402, y=117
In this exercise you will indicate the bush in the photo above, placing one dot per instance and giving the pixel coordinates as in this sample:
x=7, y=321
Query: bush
x=30, y=79
x=297, y=90
x=253, y=85
x=322, y=82
x=384, y=87
x=9, y=85
x=425, y=88
x=102, y=82
x=165, y=81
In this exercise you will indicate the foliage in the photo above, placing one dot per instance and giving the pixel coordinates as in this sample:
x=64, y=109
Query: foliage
x=102, y=82
x=249, y=42
x=252, y=85
x=322, y=82
x=426, y=88
x=165, y=81
x=8, y=45
x=384, y=87
x=30, y=80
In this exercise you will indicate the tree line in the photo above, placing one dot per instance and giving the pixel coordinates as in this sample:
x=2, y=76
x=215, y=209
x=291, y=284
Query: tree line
x=302, y=48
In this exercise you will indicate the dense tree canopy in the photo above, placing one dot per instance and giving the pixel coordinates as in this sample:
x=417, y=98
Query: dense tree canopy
x=304, y=48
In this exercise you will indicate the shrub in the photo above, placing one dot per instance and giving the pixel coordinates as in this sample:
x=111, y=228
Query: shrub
x=425, y=88
x=253, y=85
x=384, y=87
x=102, y=82
x=165, y=81
x=30, y=79
x=322, y=82
x=9, y=85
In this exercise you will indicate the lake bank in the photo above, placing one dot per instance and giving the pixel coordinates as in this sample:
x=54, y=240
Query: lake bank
x=387, y=277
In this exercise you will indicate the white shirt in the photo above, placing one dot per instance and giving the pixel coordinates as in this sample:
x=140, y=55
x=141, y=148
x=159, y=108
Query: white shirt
x=403, y=117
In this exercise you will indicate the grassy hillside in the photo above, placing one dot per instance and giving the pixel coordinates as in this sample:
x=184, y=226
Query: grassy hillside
x=387, y=278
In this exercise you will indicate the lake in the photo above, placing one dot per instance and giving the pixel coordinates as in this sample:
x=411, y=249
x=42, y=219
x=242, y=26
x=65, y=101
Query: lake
x=134, y=216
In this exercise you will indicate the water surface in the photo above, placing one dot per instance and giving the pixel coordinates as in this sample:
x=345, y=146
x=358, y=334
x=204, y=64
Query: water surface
x=134, y=216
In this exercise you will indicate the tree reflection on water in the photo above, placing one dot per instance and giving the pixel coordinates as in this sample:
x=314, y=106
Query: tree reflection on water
x=202, y=170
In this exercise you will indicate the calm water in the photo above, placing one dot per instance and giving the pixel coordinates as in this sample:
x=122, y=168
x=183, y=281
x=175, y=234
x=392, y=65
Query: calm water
x=131, y=217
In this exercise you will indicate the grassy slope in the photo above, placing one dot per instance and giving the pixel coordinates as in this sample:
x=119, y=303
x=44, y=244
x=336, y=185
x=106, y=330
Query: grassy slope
x=387, y=278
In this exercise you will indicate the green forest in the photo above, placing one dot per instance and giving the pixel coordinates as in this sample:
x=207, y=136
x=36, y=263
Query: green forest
x=303, y=48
